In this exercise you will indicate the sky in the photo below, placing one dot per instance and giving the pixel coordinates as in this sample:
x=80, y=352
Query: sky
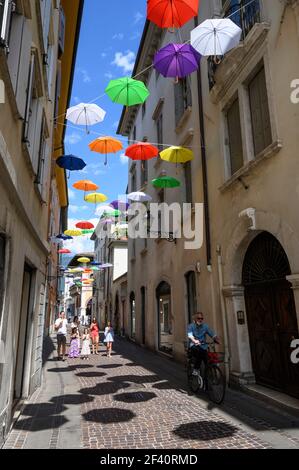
x=109, y=41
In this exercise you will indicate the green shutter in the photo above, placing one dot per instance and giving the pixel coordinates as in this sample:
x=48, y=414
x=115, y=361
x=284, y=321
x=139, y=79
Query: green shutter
x=235, y=137
x=260, y=116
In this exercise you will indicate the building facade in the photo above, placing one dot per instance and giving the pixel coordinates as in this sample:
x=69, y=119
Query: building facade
x=29, y=61
x=241, y=122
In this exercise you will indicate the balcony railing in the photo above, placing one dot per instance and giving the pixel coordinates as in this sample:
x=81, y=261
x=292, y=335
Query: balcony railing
x=245, y=13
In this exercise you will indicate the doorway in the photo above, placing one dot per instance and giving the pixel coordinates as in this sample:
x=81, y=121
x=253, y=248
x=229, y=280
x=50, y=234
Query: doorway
x=271, y=314
x=165, y=320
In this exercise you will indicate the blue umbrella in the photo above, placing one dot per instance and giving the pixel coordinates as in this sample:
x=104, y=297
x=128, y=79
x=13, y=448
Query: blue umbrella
x=64, y=237
x=70, y=162
x=94, y=263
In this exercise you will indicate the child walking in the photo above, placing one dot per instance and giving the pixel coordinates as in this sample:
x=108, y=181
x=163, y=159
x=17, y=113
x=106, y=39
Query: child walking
x=85, y=351
x=109, y=338
x=74, y=347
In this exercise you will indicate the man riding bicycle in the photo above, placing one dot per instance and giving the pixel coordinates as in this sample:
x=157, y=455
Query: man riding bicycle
x=197, y=332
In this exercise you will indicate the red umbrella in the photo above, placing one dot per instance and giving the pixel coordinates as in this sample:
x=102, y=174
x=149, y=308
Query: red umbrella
x=171, y=13
x=64, y=251
x=142, y=151
x=85, y=225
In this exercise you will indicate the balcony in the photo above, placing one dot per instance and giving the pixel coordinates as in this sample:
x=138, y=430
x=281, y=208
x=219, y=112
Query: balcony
x=245, y=14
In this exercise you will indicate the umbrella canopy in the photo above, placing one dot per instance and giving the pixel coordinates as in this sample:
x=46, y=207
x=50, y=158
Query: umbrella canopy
x=106, y=145
x=62, y=236
x=139, y=197
x=88, y=271
x=77, y=270
x=171, y=13
x=177, y=60
x=87, y=231
x=177, y=155
x=85, y=185
x=73, y=233
x=95, y=198
x=120, y=205
x=95, y=263
x=85, y=114
x=101, y=209
x=85, y=225
x=83, y=260
x=70, y=162
x=106, y=265
x=215, y=37
x=127, y=91
x=142, y=151
x=64, y=251
x=166, y=182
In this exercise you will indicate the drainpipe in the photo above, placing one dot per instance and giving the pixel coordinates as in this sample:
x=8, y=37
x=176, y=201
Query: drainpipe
x=223, y=315
x=204, y=166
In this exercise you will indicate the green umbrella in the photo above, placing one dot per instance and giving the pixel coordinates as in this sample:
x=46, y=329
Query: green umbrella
x=112, y=213
x=166, y=182
x=127, y=91
x=86, y=231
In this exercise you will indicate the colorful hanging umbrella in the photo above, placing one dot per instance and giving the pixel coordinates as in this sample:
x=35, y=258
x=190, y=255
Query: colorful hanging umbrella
x=86, y=232
x=70, y=162
x=73, y=233
x=95, y=198
x=106, y=145
x=142, y=151
x=106, y=265
x=139, y=197
x=165, y=182
x=111, y=213
x=120, y=205
x=84, y=259
x=215, y=37
x=176, y=60
x=85, y=185
x=177, y=155
x=85, y=225
x=64, y=251
x=62, y=236
x=171, y=13
x=85, y=114
x=88, y=271
x=127, y=91
x=101, y=209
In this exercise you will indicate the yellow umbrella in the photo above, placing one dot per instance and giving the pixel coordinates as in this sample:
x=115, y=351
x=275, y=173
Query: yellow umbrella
x=83, y=260
x=95, y=198
x=177, y=155
x=73, y=233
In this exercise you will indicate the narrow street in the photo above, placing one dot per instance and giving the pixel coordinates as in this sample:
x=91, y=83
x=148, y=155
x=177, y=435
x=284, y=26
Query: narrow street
x=139, y=400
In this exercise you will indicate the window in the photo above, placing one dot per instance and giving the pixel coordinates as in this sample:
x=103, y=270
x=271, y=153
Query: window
x=6, y=9
x=260, y=115
x=159, y=124
x=30, y=98
x=2, y=272
x=188, y=182
x=41, y=154
x=143, y=109
x=133, y=178
x=191, y=294
x=133, y=315
x=183, y=98
x=61, y=33
x=234, y=137
x=245, y=13
x=144, y=172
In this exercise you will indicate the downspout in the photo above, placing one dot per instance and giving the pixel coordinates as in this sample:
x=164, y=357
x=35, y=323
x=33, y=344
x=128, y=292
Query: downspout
x=204, y=166
x=223, y=315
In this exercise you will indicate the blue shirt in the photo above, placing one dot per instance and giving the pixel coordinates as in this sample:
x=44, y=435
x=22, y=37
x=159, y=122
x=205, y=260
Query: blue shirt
x=199, y=332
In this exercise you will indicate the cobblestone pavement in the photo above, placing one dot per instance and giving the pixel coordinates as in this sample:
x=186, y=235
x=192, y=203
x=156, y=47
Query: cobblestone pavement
x=133, y=400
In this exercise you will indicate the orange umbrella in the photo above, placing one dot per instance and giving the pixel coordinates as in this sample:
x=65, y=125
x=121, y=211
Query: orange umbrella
x=106, y=145
x=85, y=185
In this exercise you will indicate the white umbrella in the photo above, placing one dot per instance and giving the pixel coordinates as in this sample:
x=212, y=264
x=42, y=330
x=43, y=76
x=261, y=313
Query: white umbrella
x=101, y=209
x=139, y=197
x=106, y=265
x=85, y=114
x=215, y=37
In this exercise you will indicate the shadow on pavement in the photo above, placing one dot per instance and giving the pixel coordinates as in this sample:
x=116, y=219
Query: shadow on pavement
x=109, y=415
x=105, y=388
x=109, y=366
x=137, y=379
x=135, y=397
x=72, y=399
x=91, y=374
x=41, y=424
x=205, y=430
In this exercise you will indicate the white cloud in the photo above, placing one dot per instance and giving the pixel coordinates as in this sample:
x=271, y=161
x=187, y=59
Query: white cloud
x=75, y=209
x=95, y=169
x=85, y=75
x=125, y=61
x=138, y=17
x=119, y=36
x=72, y=194
x=76, y=100
x=123, y=159
x=135, y=36
x=109, y=75
x=80, y=245
x=73, y=138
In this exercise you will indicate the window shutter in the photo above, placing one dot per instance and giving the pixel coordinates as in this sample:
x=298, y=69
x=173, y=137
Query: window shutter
x=61, y=31
x=23, y=69
x=188, y=182
x=6, y=9
x=261, y=126
x=29, y=96
x=189, y=91
x=179, y=101
x=46, y=23
x=235, y=137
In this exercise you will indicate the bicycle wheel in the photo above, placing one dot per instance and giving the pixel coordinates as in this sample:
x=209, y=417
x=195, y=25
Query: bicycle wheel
x=215, y=384
x=192, y=379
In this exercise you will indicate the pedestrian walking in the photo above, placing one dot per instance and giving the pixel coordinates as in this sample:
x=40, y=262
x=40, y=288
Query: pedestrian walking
x=60, y=327
x=74, y=349
x=109, y=338
x=85, y=351
x=94, y=333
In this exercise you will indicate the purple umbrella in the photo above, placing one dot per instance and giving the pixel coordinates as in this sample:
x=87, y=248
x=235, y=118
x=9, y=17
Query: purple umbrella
x=120, y=205
x=177, y=60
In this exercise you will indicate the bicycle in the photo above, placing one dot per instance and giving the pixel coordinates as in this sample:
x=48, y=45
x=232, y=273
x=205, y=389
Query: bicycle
x=211, y=378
